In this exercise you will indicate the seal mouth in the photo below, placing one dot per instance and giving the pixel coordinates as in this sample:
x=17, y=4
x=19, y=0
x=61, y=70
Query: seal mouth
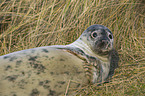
x=103, y=45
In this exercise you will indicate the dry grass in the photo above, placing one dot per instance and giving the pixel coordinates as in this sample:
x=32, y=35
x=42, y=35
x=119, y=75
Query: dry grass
x=32, y=23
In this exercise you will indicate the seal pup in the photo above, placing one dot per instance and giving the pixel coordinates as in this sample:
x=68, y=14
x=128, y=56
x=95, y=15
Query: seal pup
x=60, y=69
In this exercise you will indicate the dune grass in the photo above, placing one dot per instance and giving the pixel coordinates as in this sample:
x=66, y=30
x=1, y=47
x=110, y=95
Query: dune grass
x=27, y=24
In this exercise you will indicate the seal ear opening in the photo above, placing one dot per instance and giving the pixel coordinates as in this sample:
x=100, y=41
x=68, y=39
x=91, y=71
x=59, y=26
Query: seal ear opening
x=114, y=59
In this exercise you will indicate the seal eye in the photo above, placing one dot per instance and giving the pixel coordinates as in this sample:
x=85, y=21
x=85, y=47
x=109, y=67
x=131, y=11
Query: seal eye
x=110, y=36
x=94, y=34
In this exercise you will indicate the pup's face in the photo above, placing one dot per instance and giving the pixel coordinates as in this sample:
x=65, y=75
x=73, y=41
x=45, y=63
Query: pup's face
x=101, y=39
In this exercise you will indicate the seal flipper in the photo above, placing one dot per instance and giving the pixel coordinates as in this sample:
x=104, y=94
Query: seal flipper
x=114, y=59
x=92, y=65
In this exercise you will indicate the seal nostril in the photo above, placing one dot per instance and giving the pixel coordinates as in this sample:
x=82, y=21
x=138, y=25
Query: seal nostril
x=104, y=41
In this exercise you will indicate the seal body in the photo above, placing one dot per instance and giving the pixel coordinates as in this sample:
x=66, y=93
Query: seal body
x=44, y=70
x=59, y=69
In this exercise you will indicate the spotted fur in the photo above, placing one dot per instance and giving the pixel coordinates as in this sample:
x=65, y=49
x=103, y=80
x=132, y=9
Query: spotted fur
x=60, y=69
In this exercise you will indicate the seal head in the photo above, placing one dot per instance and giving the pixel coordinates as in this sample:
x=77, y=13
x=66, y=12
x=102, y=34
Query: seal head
x=101, y=38
x=96, y=39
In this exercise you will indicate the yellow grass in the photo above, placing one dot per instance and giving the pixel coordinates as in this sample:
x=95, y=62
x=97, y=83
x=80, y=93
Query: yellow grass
x=27, y=24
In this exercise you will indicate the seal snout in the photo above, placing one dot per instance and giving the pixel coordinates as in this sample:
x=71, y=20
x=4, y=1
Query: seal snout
x=103, y=45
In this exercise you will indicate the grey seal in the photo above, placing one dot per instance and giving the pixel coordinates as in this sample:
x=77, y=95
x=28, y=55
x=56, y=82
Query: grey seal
x=60, y=69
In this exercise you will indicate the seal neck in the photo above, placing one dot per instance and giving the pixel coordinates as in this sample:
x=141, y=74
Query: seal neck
x=83, y=46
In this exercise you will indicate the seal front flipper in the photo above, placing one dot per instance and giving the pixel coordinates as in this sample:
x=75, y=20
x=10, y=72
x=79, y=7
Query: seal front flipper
x=91, y=65
x=93, y=69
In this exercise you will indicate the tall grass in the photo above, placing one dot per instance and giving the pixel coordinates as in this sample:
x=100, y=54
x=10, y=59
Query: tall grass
x=32, y=23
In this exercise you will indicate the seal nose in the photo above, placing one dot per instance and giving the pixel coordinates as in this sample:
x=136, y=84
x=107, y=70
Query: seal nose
x=104, y=43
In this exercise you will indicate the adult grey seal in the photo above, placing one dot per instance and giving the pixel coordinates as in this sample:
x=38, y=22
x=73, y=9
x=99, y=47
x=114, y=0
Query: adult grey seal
x=60, y=69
